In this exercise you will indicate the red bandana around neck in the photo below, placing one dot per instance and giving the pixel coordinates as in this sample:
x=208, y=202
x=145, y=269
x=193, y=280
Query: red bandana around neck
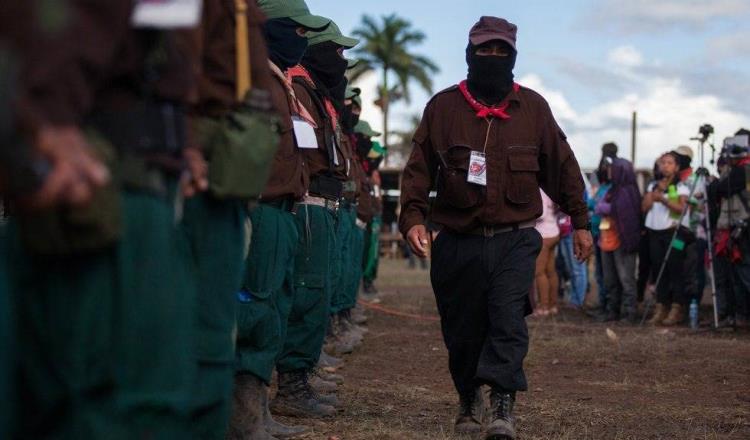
x=482, y=110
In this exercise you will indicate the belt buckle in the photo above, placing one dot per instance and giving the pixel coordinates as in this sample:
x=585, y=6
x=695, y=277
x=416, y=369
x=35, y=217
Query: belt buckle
x=488, y=231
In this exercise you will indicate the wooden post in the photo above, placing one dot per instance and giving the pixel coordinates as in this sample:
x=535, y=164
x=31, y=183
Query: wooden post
x=633, y=140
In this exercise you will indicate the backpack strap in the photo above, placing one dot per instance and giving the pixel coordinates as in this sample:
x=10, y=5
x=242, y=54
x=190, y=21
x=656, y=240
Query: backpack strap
x=242, y=49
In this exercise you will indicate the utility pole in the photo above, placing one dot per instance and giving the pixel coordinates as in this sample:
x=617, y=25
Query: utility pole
x=633, y=140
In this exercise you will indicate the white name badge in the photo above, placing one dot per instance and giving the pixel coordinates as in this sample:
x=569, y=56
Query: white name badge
x=477, y=169
x=166, y=14
x=304, y=133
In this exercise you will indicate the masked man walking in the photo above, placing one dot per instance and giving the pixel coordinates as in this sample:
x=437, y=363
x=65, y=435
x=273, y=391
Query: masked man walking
x=488, y=145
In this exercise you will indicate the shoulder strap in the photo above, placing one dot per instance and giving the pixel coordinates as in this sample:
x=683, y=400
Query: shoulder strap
x=242, y=51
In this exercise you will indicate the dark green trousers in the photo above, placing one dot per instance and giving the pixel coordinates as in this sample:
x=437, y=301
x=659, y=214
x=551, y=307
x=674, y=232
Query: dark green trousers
x=354, y=269
x=345, y=225
x=7, y=345
x=105, y=339
x=308, y=318
x=267, y=295
x=372, y=249
x=215, y=235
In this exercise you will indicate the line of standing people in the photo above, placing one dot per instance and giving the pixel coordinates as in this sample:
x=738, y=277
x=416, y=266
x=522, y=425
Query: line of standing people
x=190, y=194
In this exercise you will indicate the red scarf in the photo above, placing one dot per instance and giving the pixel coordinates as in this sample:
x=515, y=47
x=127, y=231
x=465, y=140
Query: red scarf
x=299, y=71
x=482, y=110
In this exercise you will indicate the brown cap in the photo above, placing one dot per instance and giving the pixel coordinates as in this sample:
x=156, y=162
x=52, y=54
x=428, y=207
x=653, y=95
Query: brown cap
x=493, y=28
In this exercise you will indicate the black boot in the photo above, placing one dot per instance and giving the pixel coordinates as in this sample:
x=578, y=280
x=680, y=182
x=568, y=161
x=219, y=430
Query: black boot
x=296, y=398
x=247, y=412
x=502, y=424
x=276, y=429
x=471, y=413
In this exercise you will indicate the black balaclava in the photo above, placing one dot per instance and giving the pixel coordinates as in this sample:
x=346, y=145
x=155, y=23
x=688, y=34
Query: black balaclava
x=338, y=95
x=364, y=145
x=327, y=67
x=490, y=78
x=349, y=119
x=285, y=46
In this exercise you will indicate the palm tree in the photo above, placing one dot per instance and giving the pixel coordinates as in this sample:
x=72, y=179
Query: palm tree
x=387, y=47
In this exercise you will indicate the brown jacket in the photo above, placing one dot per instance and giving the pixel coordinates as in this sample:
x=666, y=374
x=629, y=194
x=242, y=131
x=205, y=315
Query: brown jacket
x=213, y=54
x=97, y=62
x=318, y=160
x=523, y=153
x=289, y=177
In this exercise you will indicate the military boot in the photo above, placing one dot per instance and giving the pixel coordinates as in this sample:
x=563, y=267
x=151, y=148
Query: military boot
x=276, y=429
x=502, y=424
x=471, y=413
x=348, y=329
x=320, y=384
x=676, y=316
x=328, y=361
x=296, y=398
x=337, y=342
x=358, y=315
x=247, y=414
x=660, y=313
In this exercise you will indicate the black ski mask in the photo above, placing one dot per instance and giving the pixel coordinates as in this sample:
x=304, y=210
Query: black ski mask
x=348, y=119
x=285, y=46
x=364, y=145
x=490, y=78
x=327, y=67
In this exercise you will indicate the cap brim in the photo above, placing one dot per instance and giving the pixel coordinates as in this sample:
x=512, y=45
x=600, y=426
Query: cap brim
x=481, y=39
x=347, y=42
x=314, y=23
x=352, y=63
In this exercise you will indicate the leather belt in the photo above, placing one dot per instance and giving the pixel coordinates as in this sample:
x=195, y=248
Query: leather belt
x=309, y=200
x=493, y=230
x=284, y=204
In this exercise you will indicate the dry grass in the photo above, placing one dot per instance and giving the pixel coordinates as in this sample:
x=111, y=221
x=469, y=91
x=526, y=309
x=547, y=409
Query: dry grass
x=648, y=384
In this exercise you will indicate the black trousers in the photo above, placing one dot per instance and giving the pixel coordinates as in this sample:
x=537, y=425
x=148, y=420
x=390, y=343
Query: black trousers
x=481, y=286
x=671, y=287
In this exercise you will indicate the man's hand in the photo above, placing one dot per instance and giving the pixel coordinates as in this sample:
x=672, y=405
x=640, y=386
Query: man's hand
x=418, y=241
x=75, y=173
x=196, y=179
x=583, y=244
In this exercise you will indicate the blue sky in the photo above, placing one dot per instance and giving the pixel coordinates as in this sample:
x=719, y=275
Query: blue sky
x=679, y=63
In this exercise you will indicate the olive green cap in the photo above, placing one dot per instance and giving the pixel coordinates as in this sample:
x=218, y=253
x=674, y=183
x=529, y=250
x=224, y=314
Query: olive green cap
x=352, y=92
x=296, y=10
x=363, y=127
x=331, y=33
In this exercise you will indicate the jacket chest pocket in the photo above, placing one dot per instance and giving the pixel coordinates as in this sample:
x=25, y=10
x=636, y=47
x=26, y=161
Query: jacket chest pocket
x=453, y=187
x=523, y=164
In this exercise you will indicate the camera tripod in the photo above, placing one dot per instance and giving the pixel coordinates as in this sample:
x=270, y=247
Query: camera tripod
x=701, y=178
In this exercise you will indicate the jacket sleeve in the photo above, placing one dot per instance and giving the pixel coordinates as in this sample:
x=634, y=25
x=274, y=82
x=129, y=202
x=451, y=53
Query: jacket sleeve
x=63, y=71
x=560, y=176
x=418, y=179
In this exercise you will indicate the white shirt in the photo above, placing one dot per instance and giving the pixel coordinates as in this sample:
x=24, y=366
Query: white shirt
x=659, y=217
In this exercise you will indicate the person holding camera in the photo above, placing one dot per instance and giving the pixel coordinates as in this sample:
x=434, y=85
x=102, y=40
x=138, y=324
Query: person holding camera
x=732, y=249
x=664, y=203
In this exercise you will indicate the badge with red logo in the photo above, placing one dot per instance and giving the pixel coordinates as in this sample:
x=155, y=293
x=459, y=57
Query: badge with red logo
x=477, y=169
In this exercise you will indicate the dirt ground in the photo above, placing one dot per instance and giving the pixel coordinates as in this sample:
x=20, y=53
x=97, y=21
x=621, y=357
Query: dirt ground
x=638, y=383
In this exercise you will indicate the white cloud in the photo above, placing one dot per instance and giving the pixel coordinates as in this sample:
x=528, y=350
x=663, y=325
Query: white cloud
x=625, y=56
x=668, y=116
x=650, y=15
x=736, y=45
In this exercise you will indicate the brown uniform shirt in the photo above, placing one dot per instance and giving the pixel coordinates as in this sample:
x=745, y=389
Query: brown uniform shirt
x=318, y=160
x=523, y=153
x=213, y=53
x=366, y=206
x=98, y=62
x=289, y=177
